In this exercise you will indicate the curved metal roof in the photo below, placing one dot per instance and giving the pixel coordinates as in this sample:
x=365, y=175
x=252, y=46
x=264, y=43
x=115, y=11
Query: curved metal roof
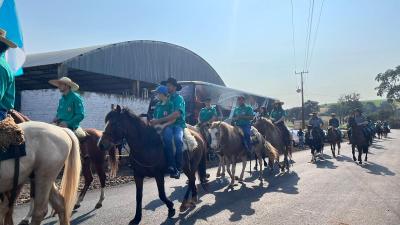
x=149, y=61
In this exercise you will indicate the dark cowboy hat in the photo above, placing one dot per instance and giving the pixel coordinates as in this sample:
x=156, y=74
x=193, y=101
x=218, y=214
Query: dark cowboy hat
x=241, y=97
x=357, y=110
x=208, y=99
x=173, y=82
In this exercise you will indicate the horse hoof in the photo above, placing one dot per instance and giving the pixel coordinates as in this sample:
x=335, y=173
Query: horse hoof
x=218, y=175
x=195, y=199
x=98, y=206
x=185, y=206
x=77, y=206
x=354, y=158
x=255, y=168
x=24, y=222
x=171, y=213
x=135, y=221
x=360, y=162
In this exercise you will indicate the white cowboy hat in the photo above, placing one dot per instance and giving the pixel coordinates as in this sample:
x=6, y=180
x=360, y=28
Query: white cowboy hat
x=5, y=40
x=65, y=80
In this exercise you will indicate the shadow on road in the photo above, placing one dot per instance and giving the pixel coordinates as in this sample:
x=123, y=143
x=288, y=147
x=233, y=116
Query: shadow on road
x=78, y=220
x=376, y=169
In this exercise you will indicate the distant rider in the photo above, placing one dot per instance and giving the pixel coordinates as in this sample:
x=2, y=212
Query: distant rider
x=243, y=114
x=277, y=116
x=335, y=123
x=207, y=115
x=316, y=123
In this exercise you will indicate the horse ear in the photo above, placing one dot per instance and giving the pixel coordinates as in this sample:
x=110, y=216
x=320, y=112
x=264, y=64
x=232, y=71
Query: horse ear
x=118, y=108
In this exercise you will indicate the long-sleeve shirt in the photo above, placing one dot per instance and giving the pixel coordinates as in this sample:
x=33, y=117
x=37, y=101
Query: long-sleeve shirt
x=71, y=110
x=7, y=86
x=334, y=122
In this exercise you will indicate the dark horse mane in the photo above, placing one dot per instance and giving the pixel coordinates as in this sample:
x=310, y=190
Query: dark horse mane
x=147, y=135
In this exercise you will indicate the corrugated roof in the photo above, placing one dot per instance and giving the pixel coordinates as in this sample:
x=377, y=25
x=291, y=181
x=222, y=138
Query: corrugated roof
x=48, y=58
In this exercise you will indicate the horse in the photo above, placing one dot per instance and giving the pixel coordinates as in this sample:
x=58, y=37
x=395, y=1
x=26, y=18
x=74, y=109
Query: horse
x=148, y=158
x=228, y=140
x=263, y=148
x=385, y=131
x=359, y=141
x=379, y=130
x=315, y=139
x=48, y=149
x=334, y=139
x=273, y=135
x=96, y=157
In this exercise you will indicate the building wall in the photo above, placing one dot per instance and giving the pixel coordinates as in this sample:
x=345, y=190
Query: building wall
x=41, y=105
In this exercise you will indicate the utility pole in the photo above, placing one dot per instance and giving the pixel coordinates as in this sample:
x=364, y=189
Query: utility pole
x=302, y=98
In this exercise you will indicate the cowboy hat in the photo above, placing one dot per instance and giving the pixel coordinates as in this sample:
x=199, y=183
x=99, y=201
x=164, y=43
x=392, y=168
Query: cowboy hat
x=333, y=114
x=66, y=81
x=5, y=40
x=172, y=81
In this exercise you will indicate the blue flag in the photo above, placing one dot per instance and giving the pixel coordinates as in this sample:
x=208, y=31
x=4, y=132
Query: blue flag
x=9, y=22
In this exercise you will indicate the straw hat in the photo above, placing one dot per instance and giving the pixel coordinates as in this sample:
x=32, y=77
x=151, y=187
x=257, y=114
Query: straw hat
x=5, y=40
x=333, y=114
x=65, y=80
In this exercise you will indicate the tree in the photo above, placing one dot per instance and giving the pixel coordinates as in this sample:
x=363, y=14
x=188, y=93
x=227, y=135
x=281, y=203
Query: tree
x=389, y=84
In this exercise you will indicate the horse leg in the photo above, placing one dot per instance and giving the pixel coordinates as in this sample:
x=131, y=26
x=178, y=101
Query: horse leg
x=338, y=145
x=221, y=165
x=88, y=176
x=244, y=162
x=359, y=148
x=58, y=204
x=353, y=151
x=42, y=192
x=256, y=159
x=139, y=196
x=185, y=203
x=27, y=218
x=233, y=161
x=102, y=176
x=163, y=197
x=261, y=170
x=366, y=153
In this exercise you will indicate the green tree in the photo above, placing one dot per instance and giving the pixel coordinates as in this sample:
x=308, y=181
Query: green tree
x=389, y=84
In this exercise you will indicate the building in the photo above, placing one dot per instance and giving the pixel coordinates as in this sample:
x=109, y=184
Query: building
x=121, y=73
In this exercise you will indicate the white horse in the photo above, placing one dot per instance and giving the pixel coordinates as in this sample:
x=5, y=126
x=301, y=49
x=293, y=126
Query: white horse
x=48, y=149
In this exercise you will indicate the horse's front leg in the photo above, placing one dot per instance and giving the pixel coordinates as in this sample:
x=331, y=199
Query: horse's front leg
x=139, y=196
x=244, y=163
x=260, y=159
x=353, y=151
x=88, y=176
x=360, y=149
x=102, y=176
x=163, y=197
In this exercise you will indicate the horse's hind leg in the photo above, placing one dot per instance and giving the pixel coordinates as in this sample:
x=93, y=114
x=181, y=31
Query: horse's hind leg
x=353, y=151
x=42, y=193
x=185, y=203
x=87, y=174
x=139, y=197
x=366, y=153
x=256, y=166
x=261, y=170
x=359, y=148
x=244, y=163
x=338, y=145
x=163, y=197
x=102, y=176
x=58, y=204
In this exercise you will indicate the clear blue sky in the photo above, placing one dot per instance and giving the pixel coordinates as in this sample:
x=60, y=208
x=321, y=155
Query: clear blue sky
x=248, y=42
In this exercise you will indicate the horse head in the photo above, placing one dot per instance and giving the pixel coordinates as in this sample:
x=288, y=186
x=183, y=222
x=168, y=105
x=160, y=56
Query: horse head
x=215, y=133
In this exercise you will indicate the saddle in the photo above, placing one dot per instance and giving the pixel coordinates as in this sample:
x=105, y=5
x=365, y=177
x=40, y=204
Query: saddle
x=10, y=134
x=189, y=141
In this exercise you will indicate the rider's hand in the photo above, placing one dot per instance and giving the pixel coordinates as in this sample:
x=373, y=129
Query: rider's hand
x=153, y=122
x=63, y=124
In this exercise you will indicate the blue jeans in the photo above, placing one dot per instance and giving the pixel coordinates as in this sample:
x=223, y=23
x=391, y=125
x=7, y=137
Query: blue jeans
x=3, y=114
x=247, y=136
x=170, y=134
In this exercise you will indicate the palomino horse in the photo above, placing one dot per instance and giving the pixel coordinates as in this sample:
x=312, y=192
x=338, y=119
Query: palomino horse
x=148, y=157
x=273, y=135
x=228, y=140
x=263, y=148
x=96, y=157
x=48, y=149
x=334, y=139
x=315, y=139
x=359, y=141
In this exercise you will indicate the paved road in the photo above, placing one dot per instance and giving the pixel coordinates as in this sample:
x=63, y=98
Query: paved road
x=334, y=191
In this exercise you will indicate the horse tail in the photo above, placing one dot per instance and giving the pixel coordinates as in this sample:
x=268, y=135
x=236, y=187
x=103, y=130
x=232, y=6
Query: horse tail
x=113, y=160
x=272, y=151
x=71, y=176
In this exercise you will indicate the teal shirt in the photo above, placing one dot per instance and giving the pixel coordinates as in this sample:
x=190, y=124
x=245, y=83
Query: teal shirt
x=178, y=105
x=70, y=110
x=206, y=114
x=277, y=114
x=244, y=110
x=163, y=109
x=7, y=85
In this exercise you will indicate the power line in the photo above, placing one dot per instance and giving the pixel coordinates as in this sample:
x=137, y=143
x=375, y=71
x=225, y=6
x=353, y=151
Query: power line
x=309, y=35
x=316, y=34
x=293, y=39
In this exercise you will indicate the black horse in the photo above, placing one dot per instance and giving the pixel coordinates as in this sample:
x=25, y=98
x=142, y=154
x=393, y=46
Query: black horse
x=315, y=139
x=147, y=156
x=359, y=140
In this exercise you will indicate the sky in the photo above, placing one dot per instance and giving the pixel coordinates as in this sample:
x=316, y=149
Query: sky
x=248, y=42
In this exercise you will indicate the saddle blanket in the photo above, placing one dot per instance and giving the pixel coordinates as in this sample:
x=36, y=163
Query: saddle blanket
x=13, y=152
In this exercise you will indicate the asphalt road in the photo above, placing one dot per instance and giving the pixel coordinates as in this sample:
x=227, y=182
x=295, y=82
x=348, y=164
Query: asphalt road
x=334, y=191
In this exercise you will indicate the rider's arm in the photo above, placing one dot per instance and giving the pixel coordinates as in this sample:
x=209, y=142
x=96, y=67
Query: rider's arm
x=3, y=82
x=79, y=113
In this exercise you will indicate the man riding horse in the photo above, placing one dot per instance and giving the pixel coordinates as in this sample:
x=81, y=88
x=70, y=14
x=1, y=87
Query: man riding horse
x=173, y=134
x=242, y=117
x=70, y=111
x=278, y=118
x=207, y=115
x=316, y=123
x=334, y=124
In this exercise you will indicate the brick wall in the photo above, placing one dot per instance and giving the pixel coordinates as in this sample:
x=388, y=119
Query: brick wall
x=41, y=105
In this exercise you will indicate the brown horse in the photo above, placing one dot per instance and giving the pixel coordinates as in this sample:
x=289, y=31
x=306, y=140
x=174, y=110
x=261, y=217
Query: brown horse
x=148, y=157
x=96, y=157
x=228, y=140
x=334, y=139
x=274, y=136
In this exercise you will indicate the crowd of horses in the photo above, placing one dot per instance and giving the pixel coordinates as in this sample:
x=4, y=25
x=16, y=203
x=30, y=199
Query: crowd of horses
x=146, y=157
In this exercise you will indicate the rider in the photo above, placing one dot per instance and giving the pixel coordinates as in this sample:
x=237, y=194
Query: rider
x=278, y=118
x=242, y=117
x=70, y=111
x=335, y=123
x=207, y=115
x=7, y=81
x=174, y=133
x=316, y=123
x=7, y=97
x=362, y=121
